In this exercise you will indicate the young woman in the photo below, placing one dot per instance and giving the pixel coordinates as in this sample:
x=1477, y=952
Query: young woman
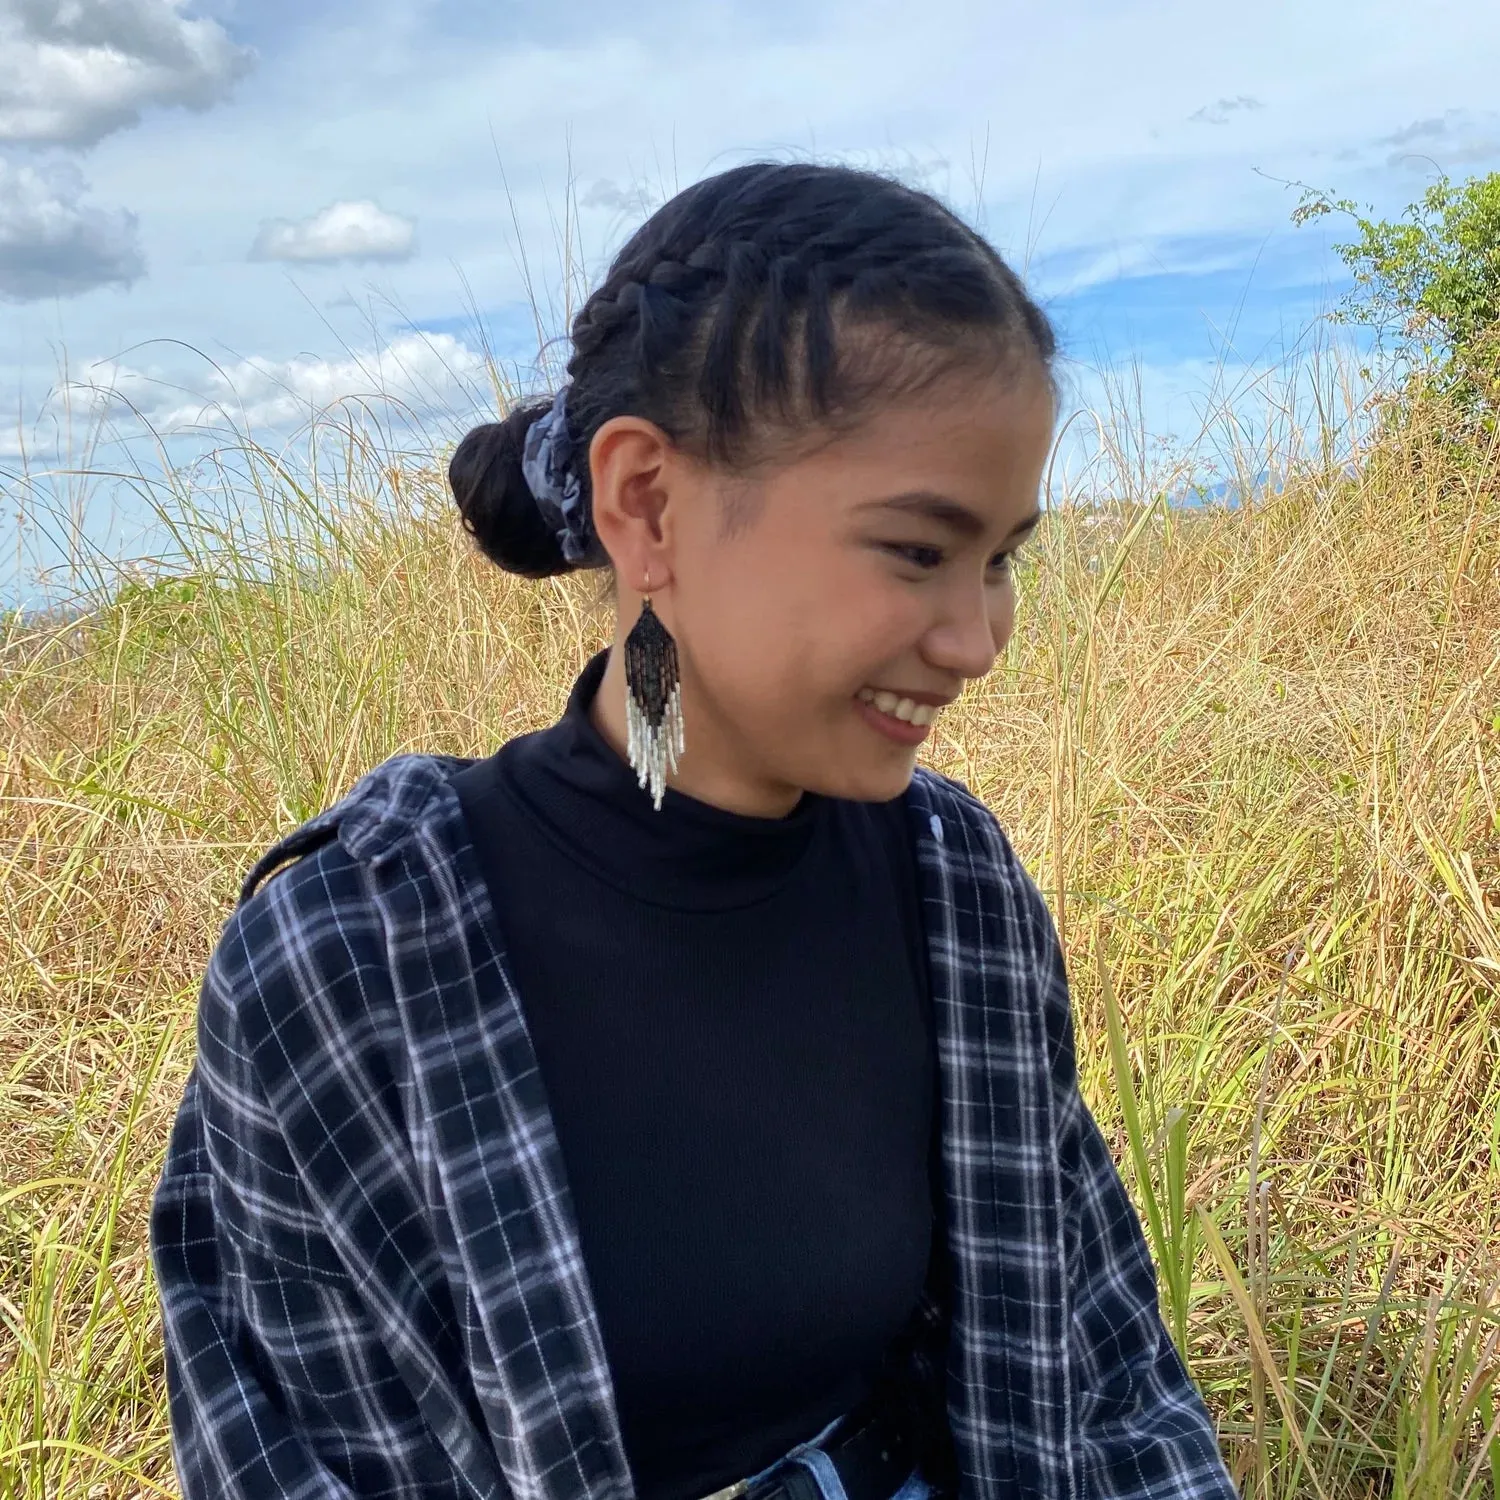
x=681, y=1100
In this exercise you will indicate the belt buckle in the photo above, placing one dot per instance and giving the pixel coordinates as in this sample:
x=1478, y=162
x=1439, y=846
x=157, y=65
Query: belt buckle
x=730, y=1491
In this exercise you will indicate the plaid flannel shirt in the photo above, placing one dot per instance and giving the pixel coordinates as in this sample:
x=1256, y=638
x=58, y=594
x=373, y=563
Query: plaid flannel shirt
x=370, y=1277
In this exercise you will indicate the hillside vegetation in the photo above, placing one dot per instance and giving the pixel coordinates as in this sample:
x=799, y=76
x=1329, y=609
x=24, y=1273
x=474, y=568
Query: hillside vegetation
x=1252, y=754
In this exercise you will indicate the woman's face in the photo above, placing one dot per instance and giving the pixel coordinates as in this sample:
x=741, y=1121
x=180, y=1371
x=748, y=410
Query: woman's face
x=869, y=585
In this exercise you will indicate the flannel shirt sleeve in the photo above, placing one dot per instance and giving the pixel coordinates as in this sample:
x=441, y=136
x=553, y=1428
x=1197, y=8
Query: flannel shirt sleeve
x=277, y=1383
x=1143, y=1430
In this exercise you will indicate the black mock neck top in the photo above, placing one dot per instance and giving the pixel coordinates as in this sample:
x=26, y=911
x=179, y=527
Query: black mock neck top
x=730, y=1016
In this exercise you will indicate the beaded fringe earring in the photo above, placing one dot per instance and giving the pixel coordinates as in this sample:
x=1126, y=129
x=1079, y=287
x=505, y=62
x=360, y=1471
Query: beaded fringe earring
x=653, y=701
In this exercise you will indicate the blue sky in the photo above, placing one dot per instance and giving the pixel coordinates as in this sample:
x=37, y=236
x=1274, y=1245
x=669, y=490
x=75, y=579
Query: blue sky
x=289, y=202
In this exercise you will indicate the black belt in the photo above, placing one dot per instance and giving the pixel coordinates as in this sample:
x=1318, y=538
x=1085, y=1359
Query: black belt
x=872, y=1454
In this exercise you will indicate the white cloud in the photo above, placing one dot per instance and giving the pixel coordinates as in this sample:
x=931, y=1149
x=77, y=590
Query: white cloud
x=1455, y=137
x=608, y=194
x=1219, y=111
x=414, y=376
x=359, y=230
x=52, y=243
x=73, y=71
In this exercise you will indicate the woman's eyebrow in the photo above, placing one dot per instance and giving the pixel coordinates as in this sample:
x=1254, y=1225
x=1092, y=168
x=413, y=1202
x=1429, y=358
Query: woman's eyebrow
x=946, y=512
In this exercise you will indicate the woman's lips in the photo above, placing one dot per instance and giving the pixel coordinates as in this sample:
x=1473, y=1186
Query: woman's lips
x=910, y=710
x=902, y=731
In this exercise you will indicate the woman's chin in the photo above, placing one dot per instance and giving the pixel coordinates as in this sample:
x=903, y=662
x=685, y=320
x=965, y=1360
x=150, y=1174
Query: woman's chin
x=873, y=783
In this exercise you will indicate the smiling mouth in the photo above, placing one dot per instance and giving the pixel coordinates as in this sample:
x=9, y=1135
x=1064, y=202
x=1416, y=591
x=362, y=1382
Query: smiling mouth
x=907, y=710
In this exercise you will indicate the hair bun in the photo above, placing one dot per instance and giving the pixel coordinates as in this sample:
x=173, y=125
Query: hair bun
x=495, y=502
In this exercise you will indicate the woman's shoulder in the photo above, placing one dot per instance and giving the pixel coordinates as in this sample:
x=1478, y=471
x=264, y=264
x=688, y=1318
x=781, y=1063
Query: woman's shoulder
x=383, y=806
x=967, y=844
x=304, y=935
x=947, y=805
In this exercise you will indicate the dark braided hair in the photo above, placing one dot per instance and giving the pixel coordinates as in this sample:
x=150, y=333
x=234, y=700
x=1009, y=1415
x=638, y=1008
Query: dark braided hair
x=765, y=302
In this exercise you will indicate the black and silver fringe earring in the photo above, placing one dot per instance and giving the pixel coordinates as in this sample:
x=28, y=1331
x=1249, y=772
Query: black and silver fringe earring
x=653, y=700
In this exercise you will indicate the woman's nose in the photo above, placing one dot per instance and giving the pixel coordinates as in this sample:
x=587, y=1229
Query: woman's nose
x=970, y=635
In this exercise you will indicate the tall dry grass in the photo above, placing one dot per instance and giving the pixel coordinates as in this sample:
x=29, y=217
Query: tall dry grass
x=1252, y=755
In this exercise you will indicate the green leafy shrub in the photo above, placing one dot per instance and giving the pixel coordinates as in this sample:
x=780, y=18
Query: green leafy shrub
x=1431, y=281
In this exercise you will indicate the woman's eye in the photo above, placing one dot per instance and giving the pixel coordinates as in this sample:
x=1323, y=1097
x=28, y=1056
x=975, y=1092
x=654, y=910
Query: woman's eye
x=922, y=557
x=927, y=557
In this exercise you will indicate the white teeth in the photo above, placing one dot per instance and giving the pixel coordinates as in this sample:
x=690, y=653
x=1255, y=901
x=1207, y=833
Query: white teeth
x=905, y=709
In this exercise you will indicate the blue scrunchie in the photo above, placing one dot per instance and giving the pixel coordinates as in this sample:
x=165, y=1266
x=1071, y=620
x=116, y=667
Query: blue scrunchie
x=546, y=461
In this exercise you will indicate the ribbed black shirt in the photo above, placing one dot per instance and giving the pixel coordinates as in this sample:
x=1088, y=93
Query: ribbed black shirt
x=730, y=1017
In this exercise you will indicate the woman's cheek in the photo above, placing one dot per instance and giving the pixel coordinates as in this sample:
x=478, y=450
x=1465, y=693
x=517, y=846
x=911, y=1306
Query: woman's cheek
x=1003, y=616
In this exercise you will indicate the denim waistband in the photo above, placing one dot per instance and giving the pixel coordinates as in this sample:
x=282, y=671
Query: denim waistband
x=813, y=1457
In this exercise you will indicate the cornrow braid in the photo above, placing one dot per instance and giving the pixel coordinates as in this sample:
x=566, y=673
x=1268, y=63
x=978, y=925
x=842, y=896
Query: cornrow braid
x=771, y=297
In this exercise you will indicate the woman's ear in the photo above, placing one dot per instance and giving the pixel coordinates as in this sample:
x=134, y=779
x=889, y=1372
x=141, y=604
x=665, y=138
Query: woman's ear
x=631, y=468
